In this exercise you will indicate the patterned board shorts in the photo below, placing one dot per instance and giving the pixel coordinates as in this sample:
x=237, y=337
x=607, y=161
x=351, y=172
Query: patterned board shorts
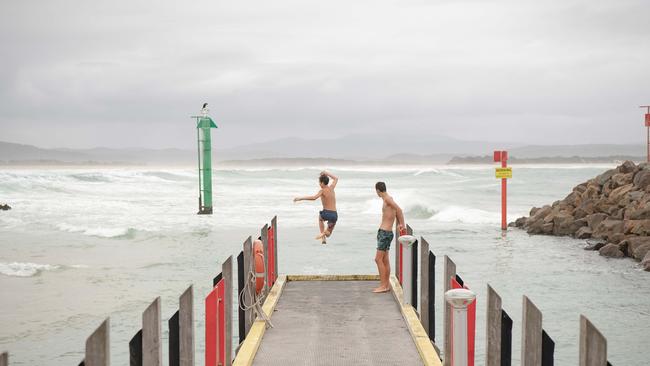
x=384, y=238
x=331, y=217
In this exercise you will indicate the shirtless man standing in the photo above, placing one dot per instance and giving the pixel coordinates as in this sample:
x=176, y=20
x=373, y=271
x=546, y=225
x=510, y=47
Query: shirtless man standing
x=328, y=198
x=389, y=212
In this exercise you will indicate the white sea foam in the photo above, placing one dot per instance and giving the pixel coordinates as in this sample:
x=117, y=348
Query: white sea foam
x=103, y=232
x=20, y=269
x=466, y=215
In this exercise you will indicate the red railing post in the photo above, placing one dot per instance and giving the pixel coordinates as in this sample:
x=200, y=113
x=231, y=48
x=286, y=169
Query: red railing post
x=471, y=324
x=215, y=326
x=400, y=256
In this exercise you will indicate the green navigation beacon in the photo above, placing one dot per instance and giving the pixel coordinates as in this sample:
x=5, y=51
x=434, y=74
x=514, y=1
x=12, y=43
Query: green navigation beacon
x=203, y=125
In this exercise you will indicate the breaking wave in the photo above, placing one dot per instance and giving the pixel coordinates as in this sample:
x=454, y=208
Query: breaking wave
x=419, y=212
x=20, y=269
x=102, y=232
x=466, y=215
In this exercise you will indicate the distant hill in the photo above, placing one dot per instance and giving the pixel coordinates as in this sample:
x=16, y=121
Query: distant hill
x=547, y=160
x=398, y=148
x=19, y=153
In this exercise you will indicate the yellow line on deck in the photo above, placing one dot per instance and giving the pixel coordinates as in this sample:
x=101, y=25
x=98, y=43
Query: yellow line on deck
x=251, y=344
x=422, y=342
x=332, y=278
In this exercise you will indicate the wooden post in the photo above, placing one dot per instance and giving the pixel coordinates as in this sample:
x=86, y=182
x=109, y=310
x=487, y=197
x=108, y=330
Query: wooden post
x=173, y=340
x=264, y=235
x=506, y=339
x=98, y=346
x=414, y=267
x=424, y=286
x=274, y=225
x=226, y=269
x=135, y=349
x=593, y=345
x=248, y=296
x=151, y=335
x=4, y=359
x=493, y=328
x=531, y=334
x=450, y=272
x=241, y=316
x=186, y=327
x=548, y=350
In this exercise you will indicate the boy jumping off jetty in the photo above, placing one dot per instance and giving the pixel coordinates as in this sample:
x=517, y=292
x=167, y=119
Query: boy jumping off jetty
x=328, y=198
x=389, y=212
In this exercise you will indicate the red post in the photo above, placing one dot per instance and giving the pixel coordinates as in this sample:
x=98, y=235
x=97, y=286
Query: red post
x=471, y=325
x=271, y=254
x=647, y=125
x=502, y=156
x=399, y=245
x=215, y=327
x=504, y=193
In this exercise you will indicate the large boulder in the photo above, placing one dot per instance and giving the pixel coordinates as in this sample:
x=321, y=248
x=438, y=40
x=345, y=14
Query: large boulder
x=617, y=195
x=583, y=233
x=593, y=191
x=573, y=199
x=5, y=207
x=595, y=219
x=642, y=179
x=637, y=227
x=520, y=222
x=607, y=228
x=645, y=262
x=640, y=252
x=627, y=167
x=622, y=179
x=640, y=213
x=594, y=245
x=611, y=251
x=603, y=178
x=563, y=224
x=634, y=242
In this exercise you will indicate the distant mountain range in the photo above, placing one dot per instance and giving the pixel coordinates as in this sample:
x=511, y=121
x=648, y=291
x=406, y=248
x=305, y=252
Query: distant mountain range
x=397, y=148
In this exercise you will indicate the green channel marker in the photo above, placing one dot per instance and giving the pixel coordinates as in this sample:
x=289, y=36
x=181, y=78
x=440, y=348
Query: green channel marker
x=203, y=125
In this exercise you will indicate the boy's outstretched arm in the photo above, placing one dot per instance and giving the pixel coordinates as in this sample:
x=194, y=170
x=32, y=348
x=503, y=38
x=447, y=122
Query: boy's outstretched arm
x=309, y=198
x=399, y=213
x=334, y=178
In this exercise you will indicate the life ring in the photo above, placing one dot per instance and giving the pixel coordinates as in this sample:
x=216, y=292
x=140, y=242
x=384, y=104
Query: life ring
x=258, y=254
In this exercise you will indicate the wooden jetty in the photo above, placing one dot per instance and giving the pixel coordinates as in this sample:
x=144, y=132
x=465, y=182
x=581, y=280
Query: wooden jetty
x=333, y=320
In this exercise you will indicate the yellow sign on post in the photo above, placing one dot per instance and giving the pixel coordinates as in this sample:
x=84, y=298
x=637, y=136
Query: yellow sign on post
x=501, y=173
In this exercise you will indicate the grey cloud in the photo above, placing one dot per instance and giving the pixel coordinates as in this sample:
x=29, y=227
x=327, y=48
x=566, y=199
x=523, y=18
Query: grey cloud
x=84, y=74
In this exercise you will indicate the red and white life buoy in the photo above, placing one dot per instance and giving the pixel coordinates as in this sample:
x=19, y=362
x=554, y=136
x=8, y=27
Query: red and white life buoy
x=258, y=254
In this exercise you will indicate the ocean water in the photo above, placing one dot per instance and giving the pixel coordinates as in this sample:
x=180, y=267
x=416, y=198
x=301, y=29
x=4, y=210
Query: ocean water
x=82, y=244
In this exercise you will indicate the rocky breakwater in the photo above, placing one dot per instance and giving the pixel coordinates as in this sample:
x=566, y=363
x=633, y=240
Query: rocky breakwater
x=613, y=208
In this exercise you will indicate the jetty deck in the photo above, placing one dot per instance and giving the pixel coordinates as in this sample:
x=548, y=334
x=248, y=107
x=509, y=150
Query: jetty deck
x=336, y=323
x=336, y=320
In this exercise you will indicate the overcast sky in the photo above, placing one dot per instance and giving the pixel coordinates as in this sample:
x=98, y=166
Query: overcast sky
x=130, y=73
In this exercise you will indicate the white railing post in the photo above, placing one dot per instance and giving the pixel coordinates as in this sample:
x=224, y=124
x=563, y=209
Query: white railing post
x=459, y=299
x=407, y=267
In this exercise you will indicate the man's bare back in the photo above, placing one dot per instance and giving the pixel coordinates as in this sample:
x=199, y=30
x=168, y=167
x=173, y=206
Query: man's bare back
x=328, y=198
x=388, y=214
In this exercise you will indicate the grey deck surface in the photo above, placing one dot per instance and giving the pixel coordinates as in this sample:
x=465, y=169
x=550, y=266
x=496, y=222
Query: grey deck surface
x=336, y=323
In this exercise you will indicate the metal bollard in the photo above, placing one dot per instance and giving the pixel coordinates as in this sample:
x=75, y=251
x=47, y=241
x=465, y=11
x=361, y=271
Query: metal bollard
x=459, y=299
x=407, y=267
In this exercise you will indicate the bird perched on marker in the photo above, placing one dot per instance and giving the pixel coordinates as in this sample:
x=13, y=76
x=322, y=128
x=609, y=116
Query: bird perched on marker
x=205, y=110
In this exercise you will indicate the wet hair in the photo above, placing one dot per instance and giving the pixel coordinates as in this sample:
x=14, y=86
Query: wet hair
x=324, y=179
x=380, y=186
